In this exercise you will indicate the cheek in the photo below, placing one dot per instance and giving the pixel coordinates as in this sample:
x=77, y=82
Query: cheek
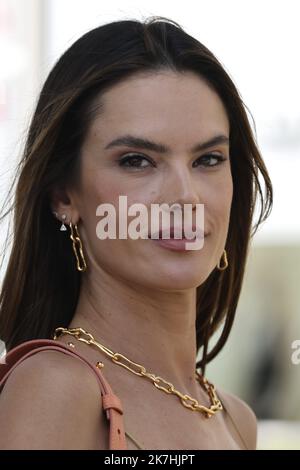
x=219, y=200
x=107, y=189
x=225, y=200
x=98, y=189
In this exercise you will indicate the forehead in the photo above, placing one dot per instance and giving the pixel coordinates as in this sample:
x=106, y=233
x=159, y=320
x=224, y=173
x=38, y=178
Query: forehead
x=162, y=102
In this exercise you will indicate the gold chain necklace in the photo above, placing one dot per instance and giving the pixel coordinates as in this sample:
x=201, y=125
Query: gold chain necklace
x=81, y=335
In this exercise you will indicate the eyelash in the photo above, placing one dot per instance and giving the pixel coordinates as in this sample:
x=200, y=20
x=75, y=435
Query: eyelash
x=139, y=157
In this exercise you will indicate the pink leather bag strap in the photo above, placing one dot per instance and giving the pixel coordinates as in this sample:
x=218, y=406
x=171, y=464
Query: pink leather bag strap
x=110, y=402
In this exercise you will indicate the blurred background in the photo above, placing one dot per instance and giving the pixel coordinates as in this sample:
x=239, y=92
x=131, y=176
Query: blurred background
x=258, y=43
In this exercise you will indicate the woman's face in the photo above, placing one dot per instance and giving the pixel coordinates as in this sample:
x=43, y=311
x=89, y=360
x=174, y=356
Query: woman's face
x=178, y=111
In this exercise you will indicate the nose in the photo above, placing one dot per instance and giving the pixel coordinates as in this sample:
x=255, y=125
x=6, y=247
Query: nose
x=181, y=188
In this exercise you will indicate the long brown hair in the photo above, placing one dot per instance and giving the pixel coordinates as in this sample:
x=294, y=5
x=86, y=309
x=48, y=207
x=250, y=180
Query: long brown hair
x=41, y=285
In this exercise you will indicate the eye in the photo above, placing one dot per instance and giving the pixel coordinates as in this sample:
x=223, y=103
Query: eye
x=210, y=160
x=135, y=161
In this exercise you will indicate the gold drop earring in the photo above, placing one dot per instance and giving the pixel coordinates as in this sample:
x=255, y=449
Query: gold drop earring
x=225, y=262
x=77, y=248
x=76, y=241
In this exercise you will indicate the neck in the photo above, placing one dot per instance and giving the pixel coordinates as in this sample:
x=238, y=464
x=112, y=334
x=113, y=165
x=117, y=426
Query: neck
x=153, y=328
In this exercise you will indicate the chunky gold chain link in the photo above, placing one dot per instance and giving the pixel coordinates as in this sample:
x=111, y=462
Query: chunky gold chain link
x=81, y=335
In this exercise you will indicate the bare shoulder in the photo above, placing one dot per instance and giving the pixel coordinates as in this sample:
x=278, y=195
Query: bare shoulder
x=52, y=401
x=242, y=416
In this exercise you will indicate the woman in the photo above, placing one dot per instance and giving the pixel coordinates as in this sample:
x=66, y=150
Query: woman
x=143, y=110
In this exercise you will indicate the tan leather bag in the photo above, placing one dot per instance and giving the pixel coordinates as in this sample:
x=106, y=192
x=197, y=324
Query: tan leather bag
x=110, y=402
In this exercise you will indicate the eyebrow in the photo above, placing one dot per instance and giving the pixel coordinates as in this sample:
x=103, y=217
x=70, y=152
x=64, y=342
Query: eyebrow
x=139, y=142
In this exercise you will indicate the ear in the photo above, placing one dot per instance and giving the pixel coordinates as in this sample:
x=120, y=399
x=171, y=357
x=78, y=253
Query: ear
x=61, y=202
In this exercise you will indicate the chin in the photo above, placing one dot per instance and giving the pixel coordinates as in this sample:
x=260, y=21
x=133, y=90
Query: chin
x=179, y=280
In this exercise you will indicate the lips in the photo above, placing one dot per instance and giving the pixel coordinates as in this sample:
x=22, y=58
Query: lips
x=180, y=232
